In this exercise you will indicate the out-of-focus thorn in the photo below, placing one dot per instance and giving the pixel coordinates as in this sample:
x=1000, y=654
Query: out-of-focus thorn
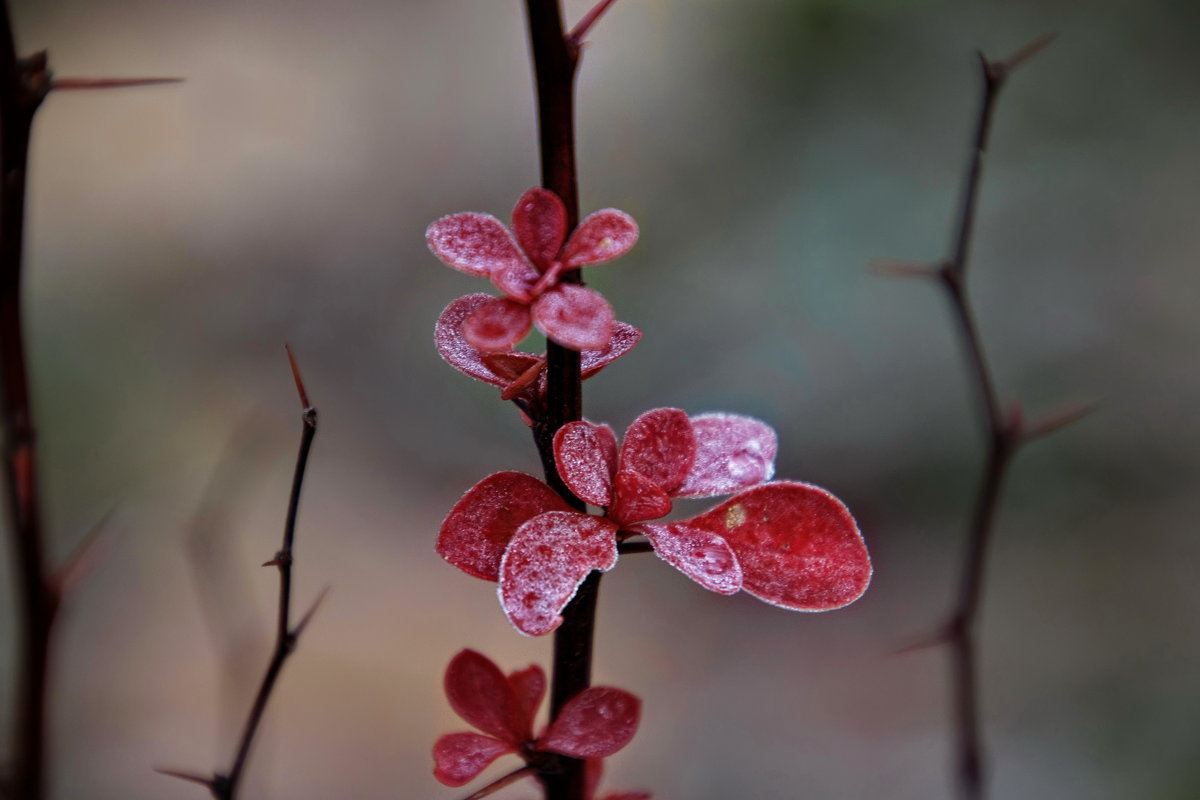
x=64, y=581
x=190, y=777
x=501, y=782
x=1059, y=419
x=575, y=37
x=76, y=84
x=894, y=268
x=926, y=641
x=1015, y=420
x=1027, y=52
x=308, y=615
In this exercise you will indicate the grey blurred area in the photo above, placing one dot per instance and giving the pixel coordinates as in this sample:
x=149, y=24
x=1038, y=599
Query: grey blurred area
x=769, y=149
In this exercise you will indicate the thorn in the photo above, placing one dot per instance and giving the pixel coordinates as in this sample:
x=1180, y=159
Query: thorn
x=501, y=782
x=1056, y=420
x=80, y=562
x=1015, y=420
x=523, y=380
x=281, y=559
x=296, y=376
x=308, y=615
x=74, y=84
x=191, y=777
x=575, y=37
x=936, y=639
x=894, y=268
x=1027, y=52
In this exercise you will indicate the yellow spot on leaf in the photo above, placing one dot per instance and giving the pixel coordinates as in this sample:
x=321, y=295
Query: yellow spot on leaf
x=735, y=516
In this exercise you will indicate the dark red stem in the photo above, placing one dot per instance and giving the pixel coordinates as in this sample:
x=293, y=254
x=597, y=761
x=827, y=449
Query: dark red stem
x=555, y=59
x=23, y=87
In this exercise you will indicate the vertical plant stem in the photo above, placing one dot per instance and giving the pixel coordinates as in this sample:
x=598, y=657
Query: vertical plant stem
x=555, y=59
x=23, y=86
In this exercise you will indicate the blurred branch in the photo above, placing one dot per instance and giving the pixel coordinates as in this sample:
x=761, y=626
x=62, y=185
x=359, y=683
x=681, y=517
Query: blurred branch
x=1005, y=433
x=225, y=786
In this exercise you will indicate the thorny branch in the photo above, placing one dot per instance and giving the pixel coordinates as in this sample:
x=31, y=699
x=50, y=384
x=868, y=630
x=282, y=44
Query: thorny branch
x=225, y=786
x=1006, y=431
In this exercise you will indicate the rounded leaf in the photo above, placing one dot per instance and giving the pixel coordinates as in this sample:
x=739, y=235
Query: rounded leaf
x=455, y=349
x=459, y=757
x=798, y=546
x=539, y=221
x=624, y=338
x=595, y=723
x=660, y=445
x=547, y=559
x=702, y=555
x=601, y=237
x=496, y=325
x=480, y=525
x=575, y=317
x=480, y=693
x=586, y=456
x=636, y=498
x=477, y=244
x=732, y=453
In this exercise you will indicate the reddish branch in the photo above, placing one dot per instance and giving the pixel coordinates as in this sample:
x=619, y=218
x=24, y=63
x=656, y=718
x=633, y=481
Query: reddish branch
x=555, y=61
x=1005, y=431
x=224, y=786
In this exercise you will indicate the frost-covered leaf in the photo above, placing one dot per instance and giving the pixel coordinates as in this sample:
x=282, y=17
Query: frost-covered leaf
x=732, y=453
x=624, y=338
x=539, y=221
x=480, y=525
x=547, y=559
x=637, y=498
x=480, y=693
x=586, y=456
x=700, y=554
x=575, y=317
x=601, y=237
x=459, y=757
x=477, y=244
x=595, y=723
x=454, y=348
x=517, y=281
x=496, y=325
x=660, y=445
x=528, y=688
x=798, y=546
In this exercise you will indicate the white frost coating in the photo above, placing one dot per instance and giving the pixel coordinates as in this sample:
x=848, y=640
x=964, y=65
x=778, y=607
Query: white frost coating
x=474, y=243
x=586, y=455
x=701, y=555
x=546, y=561
x=625, y=336
x=733, y=452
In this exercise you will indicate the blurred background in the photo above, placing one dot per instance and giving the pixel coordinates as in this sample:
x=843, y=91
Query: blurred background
x=769, y=149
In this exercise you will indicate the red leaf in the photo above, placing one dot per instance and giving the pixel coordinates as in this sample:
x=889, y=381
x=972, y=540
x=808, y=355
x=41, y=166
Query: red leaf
x=496, y=325
x=451, y=345
x=508, y=366
x=586, y=456
x=575, y=317
x=595, y=723
x=732, y=453
x=661, y=446
x=601, y=237
x=623, y=340
x=547, y=559
x=539, y=221
x=459, y=757
x=480, y=525
x=798, y=545
x=637, y=498
x=477, y=244
x=479, y=693
x=528, y=687
x=517, y=281
x=702, y=555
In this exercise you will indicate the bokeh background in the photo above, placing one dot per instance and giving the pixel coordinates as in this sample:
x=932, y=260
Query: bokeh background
x=769, y=149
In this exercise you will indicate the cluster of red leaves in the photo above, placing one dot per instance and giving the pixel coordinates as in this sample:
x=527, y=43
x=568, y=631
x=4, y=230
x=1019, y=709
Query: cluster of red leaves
x=791, y=544
x=527, y=266
x=594, y=724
